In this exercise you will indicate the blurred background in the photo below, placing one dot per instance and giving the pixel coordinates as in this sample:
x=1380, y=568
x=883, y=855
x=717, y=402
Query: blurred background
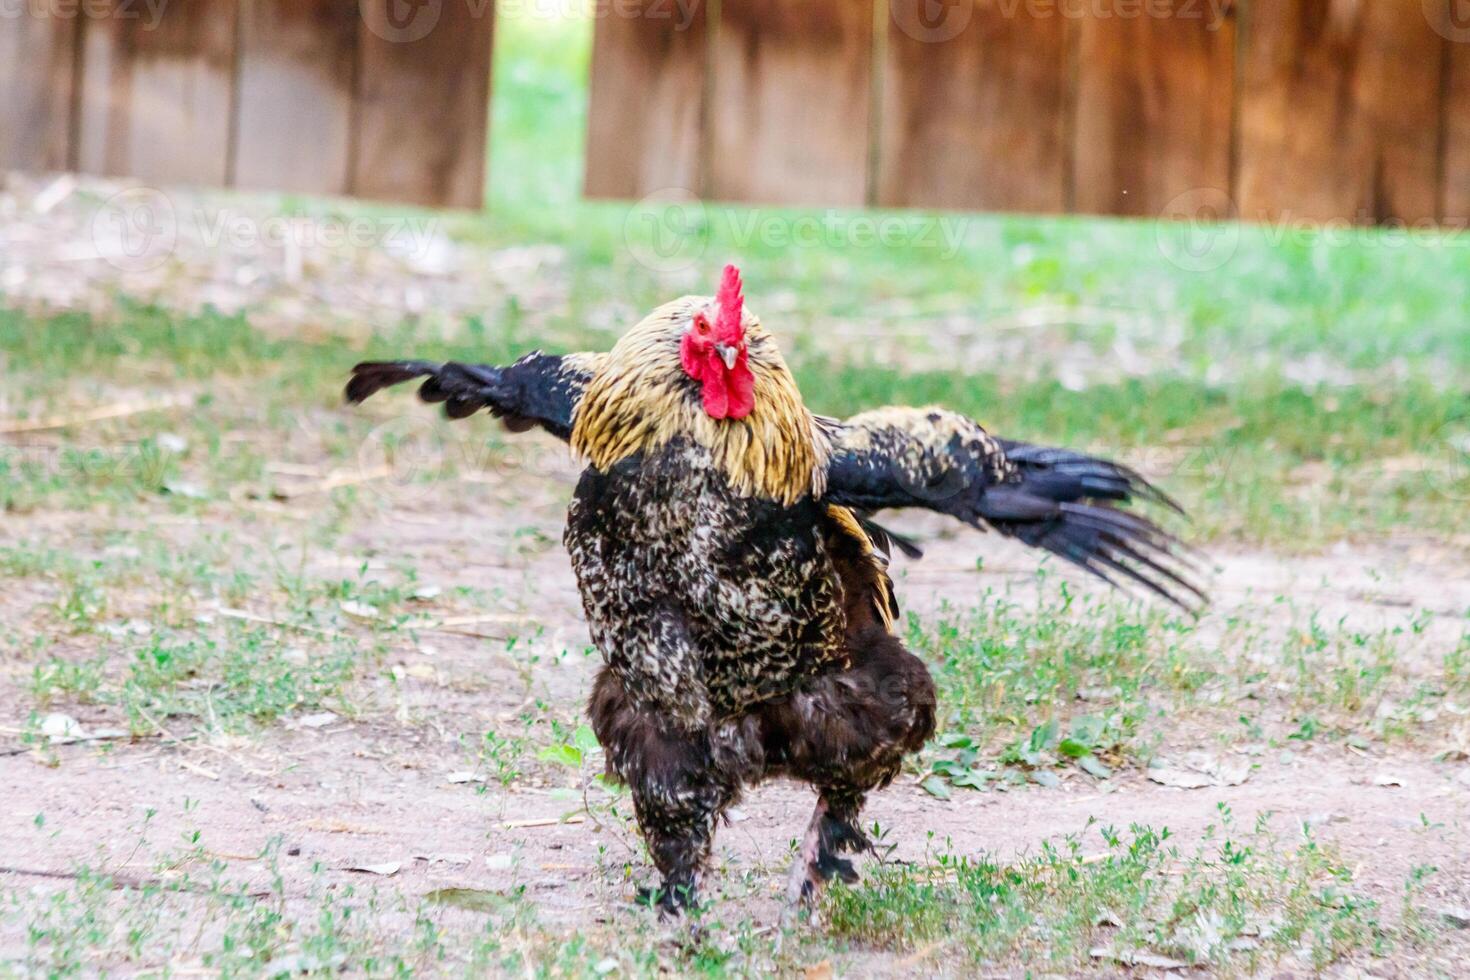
x=1315, y=346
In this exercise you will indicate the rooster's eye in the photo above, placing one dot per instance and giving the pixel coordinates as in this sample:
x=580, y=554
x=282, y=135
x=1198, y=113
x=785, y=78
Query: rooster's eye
x=701, y=323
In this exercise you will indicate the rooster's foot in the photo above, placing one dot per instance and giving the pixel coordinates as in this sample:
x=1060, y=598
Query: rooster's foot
x=817, y=861
x=671, y=901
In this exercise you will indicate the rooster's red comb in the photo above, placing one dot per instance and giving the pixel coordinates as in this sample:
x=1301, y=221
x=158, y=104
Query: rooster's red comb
x=730, y=303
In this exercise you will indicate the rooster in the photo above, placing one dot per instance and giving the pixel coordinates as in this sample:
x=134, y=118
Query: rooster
x=732, y=576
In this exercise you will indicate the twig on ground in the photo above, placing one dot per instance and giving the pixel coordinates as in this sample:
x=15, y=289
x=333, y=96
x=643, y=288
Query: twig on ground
x=543, y=821
x=51, y=741
x=455, y=625
x=198, y=769
x=250, y=617
x=294, y=469
x=333, y=826
x=334, y=481
x=120, y=880
x=105, y=412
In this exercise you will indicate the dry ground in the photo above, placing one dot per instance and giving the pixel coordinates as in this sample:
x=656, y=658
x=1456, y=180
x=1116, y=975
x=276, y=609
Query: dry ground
x=397, y=784
x=265, y=709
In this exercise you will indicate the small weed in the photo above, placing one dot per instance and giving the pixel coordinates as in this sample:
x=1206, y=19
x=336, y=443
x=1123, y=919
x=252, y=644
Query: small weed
x=236, y=678
x=1248, y=899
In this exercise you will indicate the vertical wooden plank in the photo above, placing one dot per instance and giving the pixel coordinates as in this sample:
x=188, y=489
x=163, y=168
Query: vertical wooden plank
x=792, y=88
x=157, y=90
x=423, y=101
x=36, y=71
x=645, y=122
x=293, y=127
x=1339, y=114
x=1455, y=193
x=1154, y=105
x=974, y=112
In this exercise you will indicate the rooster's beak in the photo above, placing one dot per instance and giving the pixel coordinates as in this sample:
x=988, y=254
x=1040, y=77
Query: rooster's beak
x=727, y=354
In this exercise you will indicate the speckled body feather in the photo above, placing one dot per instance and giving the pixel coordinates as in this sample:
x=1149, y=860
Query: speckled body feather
x=702, y=601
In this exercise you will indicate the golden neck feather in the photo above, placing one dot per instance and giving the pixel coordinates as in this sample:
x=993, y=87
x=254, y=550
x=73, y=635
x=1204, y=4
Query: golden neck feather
x=639, y=400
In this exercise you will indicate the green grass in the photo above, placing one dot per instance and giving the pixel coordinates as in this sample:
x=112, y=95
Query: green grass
x=226, y=683
x=1029, y=688
x=1236, y=900
x=1302, y=392
x=1239, y=900
x=1259, y=461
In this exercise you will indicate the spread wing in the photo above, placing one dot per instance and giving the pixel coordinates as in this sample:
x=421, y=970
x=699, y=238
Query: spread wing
x=1065, y=502
x=537, y=390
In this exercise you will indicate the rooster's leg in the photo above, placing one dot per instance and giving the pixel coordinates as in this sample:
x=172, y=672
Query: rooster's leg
x=832, y=830
x=677, y=816
x=678, y=790
x=846, y=732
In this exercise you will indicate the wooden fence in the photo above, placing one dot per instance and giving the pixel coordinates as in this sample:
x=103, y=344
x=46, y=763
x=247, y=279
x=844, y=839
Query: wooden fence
x=1307, y=110
x=1267, y=109
x=379, y=98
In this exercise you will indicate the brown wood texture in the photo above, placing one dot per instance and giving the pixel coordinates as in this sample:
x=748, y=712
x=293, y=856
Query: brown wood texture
x=649, y=60
x=975, y=107
x=156, y=97
x=423, y=96
x=1455, y=166
x=1339, y=111
x=37, y=58
x=293, y=128
x=1154, y=105
x=790, y=113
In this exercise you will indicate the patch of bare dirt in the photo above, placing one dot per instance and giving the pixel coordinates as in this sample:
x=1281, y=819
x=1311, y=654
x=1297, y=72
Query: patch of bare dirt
x=389, y=792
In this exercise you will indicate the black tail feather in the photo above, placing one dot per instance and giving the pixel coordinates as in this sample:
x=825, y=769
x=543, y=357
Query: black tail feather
x=1065, y=475
x=463, y=389
x=370, y=377
x=1112, y=544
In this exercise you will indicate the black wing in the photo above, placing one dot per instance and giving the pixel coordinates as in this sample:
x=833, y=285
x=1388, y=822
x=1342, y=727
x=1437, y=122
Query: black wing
x=539, y=389
x=1063, y=501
